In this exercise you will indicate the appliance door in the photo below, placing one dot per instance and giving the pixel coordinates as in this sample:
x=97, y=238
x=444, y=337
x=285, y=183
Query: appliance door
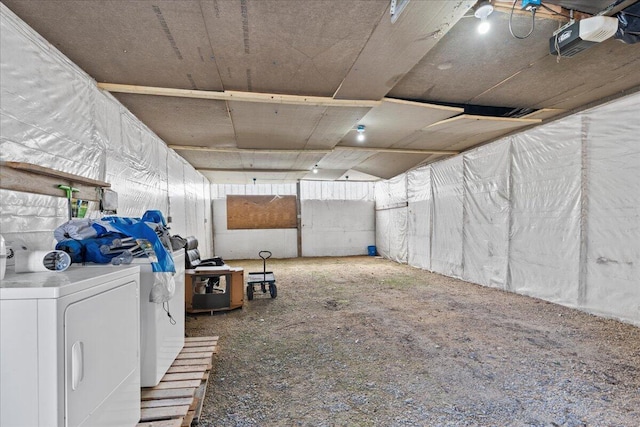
x=102, y=359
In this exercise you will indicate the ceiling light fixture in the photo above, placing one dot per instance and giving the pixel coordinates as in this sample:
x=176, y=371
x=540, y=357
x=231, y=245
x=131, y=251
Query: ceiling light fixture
x=482, y=11
x=361, y=136
x=315, y=169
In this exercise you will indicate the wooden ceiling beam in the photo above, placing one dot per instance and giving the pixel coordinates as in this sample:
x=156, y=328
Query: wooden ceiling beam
x=230, y=95
x=396, y=150
x=244, y=150
x=337, y=148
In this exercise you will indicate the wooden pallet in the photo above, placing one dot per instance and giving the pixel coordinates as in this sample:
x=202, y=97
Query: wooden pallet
x=177, y=401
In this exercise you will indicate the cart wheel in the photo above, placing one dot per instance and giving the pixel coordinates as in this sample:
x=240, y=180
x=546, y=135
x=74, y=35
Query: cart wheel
x=273, y=290
x=249, y=292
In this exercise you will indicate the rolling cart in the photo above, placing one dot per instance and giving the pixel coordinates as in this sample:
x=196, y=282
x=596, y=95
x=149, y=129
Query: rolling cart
x=263, y=278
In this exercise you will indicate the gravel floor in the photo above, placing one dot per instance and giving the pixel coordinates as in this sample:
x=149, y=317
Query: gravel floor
x=363, y=341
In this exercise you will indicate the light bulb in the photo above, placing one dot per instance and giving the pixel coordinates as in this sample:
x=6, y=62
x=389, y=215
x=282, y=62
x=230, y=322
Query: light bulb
x=360, y=137
x=315, y=169
x=484, y=26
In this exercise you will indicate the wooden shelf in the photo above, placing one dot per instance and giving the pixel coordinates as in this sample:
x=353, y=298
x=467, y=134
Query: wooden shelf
x=30, y=178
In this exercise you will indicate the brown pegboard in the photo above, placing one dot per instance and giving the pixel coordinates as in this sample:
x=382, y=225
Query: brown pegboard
x=261, y=212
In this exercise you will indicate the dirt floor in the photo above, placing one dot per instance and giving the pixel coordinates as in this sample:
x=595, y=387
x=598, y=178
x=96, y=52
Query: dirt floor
x=363, y=341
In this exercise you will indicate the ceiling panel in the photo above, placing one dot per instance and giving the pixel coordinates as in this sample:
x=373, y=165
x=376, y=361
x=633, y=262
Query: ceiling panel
x=394, y=120
x=289, y=46
x=388, y=165
x=271, y=160
x=344, y=159
x=325, y=175
x=395, y=48
x=183, y=121
x=153, y=43
x=464, y=131
x=464, y=64
x=276, y=126
x=354, y=175
x=212, y=160
x=217, y=177
x=588, y=6
x=334, y=124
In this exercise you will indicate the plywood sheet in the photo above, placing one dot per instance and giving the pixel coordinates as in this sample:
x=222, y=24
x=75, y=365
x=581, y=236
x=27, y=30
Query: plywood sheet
x=294, y=47
x=388, y=165
x=344, y=159
x=261, y=212
x=183, y=121
x=334, y=124
x=232, y=177
x=394, y=120
x=393, y=49
x=605, y=69
x=462, y=132
x=136, y=42
x=212, y=160
x=274, y=125
x=461, y=67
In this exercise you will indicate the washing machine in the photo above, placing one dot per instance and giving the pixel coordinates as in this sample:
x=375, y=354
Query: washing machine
x=161, y=335
x=70, y=348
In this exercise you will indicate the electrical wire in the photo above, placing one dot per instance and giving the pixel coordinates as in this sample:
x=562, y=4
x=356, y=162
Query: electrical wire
x=533, y=22
x=553, y=11
x=165, y=306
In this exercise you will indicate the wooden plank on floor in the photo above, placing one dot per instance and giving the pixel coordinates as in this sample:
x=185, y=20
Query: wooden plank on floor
x=172, y=393
x=184, y=376
x=199, y=400
x=188, y=368
x=185, y=362
x=176, y=422
x=202, y=355
x=173, y=402
x=199, y=349
x=188, y=419
x=200, y=343
x=167, y=402
x=152, y=414
x=194, y=339
x=177, y=384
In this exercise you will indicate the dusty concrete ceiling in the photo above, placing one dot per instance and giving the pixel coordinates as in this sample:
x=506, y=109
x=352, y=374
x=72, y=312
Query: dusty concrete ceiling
x=197, y=73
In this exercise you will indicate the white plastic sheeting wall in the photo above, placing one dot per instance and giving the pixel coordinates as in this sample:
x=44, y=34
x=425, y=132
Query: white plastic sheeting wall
x=611, y=261
x=552, y=212
x=337, y=219
x=420, y=217
x=392, y=218
x=53, y=115
x=486, y=215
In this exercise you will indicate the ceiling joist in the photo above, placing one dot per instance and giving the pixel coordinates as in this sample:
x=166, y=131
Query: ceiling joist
x=244, y=150
x=337, y=148
x=230, y=95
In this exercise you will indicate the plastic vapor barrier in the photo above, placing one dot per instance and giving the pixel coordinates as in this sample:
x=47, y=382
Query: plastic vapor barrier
x=321, y=202
x=337, y=227
x=220, y=191
x=392, y=218
x=446, y=244
x=612, y=247
x=545, y=229
x=245, y=244
x=552, y=212
x=337, y=190
x=419, y=217
x=486, y=215
x=52, y=115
